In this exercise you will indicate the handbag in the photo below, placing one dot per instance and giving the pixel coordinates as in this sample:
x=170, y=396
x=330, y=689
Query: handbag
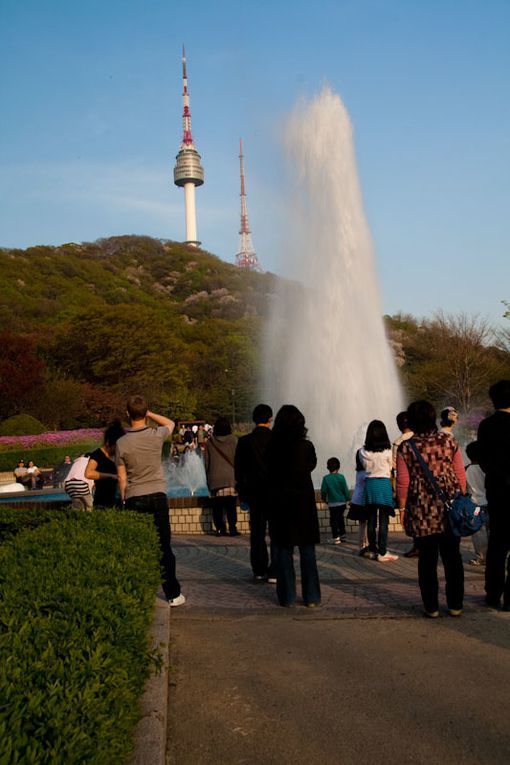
x=464, y=516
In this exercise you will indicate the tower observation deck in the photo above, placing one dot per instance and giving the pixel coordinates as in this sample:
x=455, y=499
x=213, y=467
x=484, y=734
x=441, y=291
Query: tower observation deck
x=188, y=172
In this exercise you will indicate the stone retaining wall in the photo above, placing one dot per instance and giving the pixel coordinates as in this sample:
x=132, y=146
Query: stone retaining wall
x=192, y=515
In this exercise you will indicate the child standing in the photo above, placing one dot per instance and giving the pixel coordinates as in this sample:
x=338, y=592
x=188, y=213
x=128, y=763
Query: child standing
x=376, y=458
x=357, y=511
x=334, y=491
x=475, y=480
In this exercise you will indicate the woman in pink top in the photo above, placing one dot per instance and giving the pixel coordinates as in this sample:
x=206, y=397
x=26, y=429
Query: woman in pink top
x=428, y=520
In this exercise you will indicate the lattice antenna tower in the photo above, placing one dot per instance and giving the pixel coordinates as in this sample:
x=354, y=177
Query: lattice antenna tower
x=188, y=172
x=246, y=257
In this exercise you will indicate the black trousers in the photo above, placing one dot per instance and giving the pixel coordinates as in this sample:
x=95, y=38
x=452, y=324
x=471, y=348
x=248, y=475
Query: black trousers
x=262, y=563
x=157, y=506
x=227, y=505
x=336, y=520
x=448, y=547
x=496, y=582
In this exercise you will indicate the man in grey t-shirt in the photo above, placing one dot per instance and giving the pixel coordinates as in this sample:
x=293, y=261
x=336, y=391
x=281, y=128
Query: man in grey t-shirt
x=142, y=481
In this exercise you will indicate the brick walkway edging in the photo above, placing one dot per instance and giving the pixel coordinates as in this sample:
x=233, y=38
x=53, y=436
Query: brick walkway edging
x=151, y=731
x=192, y=515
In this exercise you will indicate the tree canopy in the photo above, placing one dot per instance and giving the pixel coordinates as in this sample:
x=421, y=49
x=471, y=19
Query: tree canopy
x=86, y=324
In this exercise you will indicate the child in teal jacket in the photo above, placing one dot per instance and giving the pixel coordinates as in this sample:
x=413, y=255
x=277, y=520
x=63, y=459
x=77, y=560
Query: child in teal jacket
x=334, y=491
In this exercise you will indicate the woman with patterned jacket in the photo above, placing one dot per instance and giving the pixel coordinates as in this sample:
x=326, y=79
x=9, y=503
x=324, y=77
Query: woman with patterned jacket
x=428, y=520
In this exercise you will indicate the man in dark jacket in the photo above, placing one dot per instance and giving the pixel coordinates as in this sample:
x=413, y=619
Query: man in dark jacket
x=252, y=488
x=494, y=444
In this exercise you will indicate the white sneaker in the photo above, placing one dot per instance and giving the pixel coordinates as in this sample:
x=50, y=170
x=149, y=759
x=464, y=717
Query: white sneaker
x=386, y=557
x=178, y=601
x=335, y=541
x=271, y=580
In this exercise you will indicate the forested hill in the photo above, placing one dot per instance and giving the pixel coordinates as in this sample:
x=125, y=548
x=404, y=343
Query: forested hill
x=47, y=285
x=104, y=318
x=82, y=325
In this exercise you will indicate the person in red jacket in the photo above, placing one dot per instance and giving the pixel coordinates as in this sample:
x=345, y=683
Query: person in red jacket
x=428, y=520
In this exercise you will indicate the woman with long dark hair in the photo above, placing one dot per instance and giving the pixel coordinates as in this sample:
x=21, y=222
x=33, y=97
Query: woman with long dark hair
x=291, y=459
x=428, y=519
x=376, y=457
x=219, y=456
x=101, y=467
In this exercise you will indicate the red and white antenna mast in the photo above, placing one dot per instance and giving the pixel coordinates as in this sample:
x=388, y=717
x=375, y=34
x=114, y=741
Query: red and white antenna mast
x=246, y=257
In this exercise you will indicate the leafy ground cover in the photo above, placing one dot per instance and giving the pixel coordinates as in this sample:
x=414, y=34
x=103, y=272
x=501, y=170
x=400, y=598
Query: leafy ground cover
x=47, y=449
x=76, y=600
x=54, y=438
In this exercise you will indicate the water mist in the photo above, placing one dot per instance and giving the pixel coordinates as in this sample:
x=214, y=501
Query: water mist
x=326, y=348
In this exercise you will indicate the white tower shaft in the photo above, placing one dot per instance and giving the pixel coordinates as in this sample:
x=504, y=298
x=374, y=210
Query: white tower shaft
x=188, y=171
x=191, y=214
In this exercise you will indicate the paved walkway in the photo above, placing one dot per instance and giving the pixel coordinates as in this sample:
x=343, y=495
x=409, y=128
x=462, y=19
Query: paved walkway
x=215, y=574
x=364, y=679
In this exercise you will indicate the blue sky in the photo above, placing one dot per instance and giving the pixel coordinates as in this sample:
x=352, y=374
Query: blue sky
x=91, y=97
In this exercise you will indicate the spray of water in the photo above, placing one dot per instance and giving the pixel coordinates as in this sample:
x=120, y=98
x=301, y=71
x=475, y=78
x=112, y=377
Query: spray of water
x=188, y=476
x=326, y=349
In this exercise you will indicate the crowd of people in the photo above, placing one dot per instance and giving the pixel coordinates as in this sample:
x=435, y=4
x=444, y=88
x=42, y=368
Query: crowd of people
x=32, y=478
x=270, y=471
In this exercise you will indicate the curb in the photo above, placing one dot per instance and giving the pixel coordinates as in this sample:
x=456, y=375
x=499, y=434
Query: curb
x=150, y=733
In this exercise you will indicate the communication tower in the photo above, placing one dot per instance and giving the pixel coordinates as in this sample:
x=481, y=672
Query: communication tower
x=246, y=257
x=188, y=172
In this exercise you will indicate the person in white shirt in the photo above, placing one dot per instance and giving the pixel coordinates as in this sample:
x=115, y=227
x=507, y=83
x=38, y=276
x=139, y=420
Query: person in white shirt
x=376, y=457
x=77, y=486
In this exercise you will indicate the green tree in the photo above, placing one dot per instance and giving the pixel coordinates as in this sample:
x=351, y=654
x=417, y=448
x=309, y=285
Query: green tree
x=122, y=348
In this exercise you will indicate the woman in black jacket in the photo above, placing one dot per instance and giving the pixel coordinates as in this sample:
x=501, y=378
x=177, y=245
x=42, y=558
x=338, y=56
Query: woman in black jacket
x=293, y=513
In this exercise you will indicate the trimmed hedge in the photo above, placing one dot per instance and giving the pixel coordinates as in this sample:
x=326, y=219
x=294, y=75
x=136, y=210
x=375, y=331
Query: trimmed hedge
x=20, y=425
x=76, y=602
x=44, y=456
x=13, y=520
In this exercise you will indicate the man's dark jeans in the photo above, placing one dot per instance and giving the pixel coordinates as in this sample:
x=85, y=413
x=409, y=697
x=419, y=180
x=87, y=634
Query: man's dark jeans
x=157, y=506
x=497, y=581
x=286, y=575
x=448, y=547
x=220, y=507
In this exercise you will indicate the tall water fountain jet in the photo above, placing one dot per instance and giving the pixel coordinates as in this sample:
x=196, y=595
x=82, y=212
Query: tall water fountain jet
x=326, y=348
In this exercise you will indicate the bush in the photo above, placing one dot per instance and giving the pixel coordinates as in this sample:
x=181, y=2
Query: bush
x=76, y=600
x=12, y=521
x=44, y=457
x=21, y=425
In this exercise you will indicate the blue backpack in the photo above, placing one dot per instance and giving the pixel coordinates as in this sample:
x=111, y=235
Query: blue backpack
x=464, y=516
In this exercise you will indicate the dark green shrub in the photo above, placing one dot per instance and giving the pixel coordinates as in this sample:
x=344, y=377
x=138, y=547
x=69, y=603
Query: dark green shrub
x=44, y=456
x=12, y=521
x=21, y=425
x=76, y=600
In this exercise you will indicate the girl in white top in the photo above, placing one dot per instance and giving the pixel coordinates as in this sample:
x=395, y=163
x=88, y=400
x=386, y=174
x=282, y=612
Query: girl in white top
x=376, y=456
